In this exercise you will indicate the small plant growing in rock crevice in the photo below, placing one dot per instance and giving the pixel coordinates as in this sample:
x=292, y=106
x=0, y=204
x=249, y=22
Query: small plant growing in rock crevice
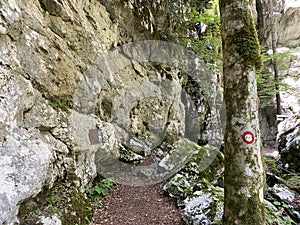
x=16, y=67
x=59, y=105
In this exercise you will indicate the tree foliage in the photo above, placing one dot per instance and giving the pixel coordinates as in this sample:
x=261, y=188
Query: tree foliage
x=202, y=26
x=266, y=81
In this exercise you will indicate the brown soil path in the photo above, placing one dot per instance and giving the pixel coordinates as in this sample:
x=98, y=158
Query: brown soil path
x=146, y=205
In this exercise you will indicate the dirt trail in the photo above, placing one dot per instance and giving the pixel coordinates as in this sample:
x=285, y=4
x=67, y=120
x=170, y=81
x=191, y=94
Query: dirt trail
x=146, y=205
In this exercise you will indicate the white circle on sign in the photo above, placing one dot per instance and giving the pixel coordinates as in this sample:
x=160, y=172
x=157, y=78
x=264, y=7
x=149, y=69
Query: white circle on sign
x=248, y=137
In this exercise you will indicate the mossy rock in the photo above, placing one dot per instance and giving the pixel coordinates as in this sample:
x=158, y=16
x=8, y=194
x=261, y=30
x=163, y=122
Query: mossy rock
x=207, y=163
x=289, y=145
x=203, y=170
x=204, y=207
x=271, y=164
x=64, y=200
x=275, y=218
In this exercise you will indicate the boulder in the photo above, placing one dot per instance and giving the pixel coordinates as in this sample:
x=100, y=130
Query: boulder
x=283, y=193
x=204, y=207
x=289, y=144
x=196, y=188
x=53, y=220
x=205, y=167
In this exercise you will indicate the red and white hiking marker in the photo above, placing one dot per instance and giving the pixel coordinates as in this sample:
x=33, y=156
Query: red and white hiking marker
x=248, y=137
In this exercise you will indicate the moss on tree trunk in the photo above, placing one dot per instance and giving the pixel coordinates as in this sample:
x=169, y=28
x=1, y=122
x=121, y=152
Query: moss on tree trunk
x=244, y=173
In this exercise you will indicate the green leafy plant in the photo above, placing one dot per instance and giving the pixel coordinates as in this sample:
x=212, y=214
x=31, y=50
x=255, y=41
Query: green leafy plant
x=51, y=208
x=278, y=217
x=180, y=188
x=101, y=189
x=125, y=155
x=35, y=213
x=63, y=199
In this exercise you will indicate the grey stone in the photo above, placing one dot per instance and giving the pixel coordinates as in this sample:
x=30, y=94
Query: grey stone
x=205, y=207
x=203, y=171
x=41, y=116
x=54, y=220
x=271, y=206
x=297, y=215
x=25, y=165
x=283, y=193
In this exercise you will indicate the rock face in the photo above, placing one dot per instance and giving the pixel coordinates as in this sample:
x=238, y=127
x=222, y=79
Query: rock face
x=287, y=33
x=54, y=94
x=286, y=16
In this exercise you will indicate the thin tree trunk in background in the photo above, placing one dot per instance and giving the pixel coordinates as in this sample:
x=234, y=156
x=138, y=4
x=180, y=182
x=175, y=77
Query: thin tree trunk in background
x=260, y=20
x=244, y=171
x=275, y=67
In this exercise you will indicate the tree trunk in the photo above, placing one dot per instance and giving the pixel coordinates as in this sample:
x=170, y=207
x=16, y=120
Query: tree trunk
x=260, y=20
x=244, y=171
x=275, y=67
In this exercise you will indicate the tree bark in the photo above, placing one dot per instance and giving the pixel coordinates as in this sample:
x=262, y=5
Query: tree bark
x=275, y=67
x=244, y=171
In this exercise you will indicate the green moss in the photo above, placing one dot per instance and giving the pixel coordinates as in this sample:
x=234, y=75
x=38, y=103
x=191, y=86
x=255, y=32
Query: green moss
x=16, y=67
x=253, y=208
x=275, y=218
x=81, y=211
x=71, y=206
x=29, y=210
x=203, y=168
x=270, y=163
x=292, y=181
x=247, y=44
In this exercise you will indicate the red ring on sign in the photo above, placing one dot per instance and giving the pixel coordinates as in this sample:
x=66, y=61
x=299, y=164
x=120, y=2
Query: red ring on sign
x=248, y=137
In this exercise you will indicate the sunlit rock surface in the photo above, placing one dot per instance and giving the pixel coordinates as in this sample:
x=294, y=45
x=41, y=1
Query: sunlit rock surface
x=289, y=144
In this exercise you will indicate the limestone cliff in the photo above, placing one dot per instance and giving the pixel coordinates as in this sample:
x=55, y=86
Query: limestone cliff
x=54, y=94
